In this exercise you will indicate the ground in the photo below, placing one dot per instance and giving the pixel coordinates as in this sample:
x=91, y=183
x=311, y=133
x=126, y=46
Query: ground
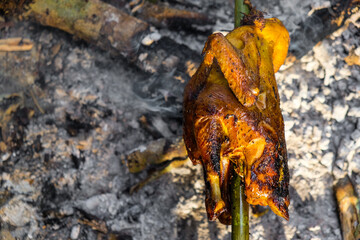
x=76, y=110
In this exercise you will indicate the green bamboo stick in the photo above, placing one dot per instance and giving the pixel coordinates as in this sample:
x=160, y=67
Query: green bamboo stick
x=239, y=206
x=239, y=209
x=240, y=10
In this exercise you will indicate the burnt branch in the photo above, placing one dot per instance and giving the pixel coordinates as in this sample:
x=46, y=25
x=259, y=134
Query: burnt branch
x=320, y=24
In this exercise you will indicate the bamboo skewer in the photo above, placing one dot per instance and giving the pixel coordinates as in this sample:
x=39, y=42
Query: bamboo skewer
x=239, y=206
x=239, y=209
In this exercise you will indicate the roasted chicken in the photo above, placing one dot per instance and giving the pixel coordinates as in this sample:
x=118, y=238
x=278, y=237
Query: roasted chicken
x=232, y=117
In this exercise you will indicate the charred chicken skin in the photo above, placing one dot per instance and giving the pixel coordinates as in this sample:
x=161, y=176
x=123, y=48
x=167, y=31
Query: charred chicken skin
x=232, y=117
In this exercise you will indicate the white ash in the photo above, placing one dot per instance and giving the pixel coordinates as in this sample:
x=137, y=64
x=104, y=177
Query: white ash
x=75, y=231
x=100, y=206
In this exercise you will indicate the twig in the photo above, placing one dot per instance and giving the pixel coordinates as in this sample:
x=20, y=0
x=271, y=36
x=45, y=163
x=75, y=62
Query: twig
x=348, y=208
x=239, y=206
x=36, y=101
x=15, y=44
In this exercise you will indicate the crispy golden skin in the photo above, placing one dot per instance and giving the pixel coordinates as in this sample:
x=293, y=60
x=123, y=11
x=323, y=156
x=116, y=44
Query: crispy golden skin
x=232, y=117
